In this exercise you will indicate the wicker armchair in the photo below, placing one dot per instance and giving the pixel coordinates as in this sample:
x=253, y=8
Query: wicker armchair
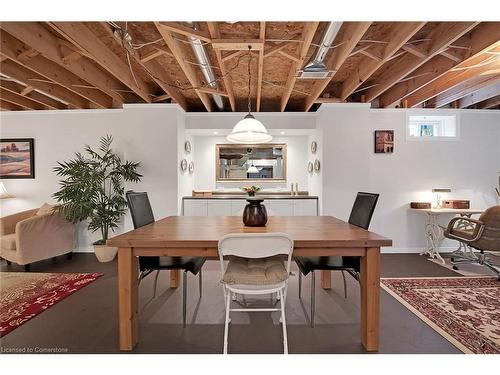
x=482, y=235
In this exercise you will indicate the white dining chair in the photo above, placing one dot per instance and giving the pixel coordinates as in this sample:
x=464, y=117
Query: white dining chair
x=255, y=267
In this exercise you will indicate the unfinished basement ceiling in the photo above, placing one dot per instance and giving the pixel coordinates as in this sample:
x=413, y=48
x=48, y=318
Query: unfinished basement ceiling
x=66, y=65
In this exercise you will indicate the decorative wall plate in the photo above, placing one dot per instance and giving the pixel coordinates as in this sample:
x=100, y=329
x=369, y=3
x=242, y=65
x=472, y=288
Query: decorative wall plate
x=314, y=147
x=184, y=165
x=317, y=165
x=310, y=167
x=187, y=147
x=191, y=167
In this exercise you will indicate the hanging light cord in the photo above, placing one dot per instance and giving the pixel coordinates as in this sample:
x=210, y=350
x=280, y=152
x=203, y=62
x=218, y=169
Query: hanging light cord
x=249, y=78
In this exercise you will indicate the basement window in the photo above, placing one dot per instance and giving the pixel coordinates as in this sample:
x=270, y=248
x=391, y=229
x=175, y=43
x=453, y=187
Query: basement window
x=432, y=127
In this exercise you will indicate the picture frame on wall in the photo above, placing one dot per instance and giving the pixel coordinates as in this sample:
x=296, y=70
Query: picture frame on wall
x=17, y=158
x=384, y=141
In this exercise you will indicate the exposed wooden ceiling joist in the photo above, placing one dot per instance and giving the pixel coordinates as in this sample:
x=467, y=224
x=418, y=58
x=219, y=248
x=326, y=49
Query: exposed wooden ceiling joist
x=82, y=37
x=461, y=73
x=237, y=44
x=10, y=47
x=152, y=68
x=307, y=38
x=214, y=33
x=483, y=37
x=439, y=39
x=178, y=28
x=19, y=100
x=352, y=32
x=399, y=35
x=178, y=52
x=37, y=36
x=480, y=95
x=463, y=89
x=39, y=82
x=490, y=103
x=7, y=106
x=260, y=66
x=156, y=52
x=29, y=92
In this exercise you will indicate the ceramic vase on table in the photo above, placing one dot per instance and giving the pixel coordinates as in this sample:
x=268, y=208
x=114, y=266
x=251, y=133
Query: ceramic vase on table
x=255, y=214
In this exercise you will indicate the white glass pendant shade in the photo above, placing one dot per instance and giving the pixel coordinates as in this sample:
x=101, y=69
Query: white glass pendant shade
x=249, y=130
x=252, y=169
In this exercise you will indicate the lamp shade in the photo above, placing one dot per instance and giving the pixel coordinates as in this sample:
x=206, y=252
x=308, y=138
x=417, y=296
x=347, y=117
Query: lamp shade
x=252, y=169
x=249, y=130
x=4, y=193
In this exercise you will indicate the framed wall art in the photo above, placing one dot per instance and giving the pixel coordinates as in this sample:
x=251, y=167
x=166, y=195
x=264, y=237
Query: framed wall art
x=17, y=158
x=384, y=141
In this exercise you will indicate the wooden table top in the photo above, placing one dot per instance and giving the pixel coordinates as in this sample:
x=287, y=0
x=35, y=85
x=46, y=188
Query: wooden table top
x=205, y=231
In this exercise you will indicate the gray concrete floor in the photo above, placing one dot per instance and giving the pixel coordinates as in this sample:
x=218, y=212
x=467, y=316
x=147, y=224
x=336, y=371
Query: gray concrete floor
x=87, y=321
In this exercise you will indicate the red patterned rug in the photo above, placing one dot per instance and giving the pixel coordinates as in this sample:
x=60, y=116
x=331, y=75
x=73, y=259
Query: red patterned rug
x=24, y=295
x=464, y=310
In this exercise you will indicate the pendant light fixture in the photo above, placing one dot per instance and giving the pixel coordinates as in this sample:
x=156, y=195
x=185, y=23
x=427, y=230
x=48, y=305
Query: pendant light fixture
x=249, y=129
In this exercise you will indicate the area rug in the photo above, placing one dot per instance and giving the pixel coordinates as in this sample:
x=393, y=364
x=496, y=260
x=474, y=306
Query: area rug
x=464, y=310
x=24, y=295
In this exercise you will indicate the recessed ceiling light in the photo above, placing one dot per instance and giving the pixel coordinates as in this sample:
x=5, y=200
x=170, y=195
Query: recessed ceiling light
x=282, y=133
x=216, y=133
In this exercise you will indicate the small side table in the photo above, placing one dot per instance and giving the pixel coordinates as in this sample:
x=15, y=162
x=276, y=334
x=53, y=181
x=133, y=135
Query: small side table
x=434, y=233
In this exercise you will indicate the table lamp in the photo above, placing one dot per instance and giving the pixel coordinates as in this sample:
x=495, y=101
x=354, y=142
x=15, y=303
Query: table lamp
x=437, y=196
x=4, y=193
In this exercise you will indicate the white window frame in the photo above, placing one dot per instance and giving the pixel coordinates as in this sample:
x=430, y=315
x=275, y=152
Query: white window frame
x=434, y=138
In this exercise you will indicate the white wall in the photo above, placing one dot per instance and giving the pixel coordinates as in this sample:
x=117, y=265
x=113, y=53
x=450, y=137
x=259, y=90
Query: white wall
x=204, y=156
x=315, y=179
x=142, y=133
x=468, y=166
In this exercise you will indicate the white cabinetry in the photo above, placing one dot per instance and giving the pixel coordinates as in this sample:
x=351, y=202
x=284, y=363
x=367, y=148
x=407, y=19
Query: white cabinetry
x=305, y=207
x=219, y=207
x=195, y=207
x=235, y=207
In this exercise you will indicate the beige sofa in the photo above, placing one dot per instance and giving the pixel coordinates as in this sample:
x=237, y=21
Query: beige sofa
x=34, y=235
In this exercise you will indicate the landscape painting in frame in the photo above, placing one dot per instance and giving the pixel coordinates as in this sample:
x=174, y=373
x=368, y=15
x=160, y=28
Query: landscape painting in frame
x=384, y=141
x=17, y=158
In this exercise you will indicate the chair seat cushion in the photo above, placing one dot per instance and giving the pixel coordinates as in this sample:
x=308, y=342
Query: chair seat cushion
x=262, y=271
x=462, y=233
x=9, y=241
x=308, y=264
x=190, y=264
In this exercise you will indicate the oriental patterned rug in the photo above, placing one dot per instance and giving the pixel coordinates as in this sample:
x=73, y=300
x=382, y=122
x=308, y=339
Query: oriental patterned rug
x=24, y=295
x=464, y=310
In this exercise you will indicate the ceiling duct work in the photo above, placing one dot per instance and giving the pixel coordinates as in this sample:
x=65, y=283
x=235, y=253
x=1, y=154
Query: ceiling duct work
x=205, y=66
x=316, y=68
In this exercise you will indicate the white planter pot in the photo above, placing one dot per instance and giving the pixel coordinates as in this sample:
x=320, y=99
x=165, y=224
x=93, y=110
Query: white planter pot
x=105, y=253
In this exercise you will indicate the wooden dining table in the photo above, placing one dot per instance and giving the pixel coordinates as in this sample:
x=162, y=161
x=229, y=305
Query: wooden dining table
x=199, y=236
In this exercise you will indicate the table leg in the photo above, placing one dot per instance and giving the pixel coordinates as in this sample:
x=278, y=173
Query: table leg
x=174, y=278
x=326, y=279
x=128, y=290
x=370, y=298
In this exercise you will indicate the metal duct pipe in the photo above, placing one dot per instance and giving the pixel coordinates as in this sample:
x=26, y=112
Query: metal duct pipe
x=317, y=62
x=202, y=59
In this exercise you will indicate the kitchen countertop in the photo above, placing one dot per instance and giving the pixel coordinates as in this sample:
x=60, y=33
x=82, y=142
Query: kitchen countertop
x=258, y=196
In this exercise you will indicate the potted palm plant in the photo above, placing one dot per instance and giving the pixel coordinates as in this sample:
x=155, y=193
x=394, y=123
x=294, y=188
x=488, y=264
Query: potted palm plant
x=92, y=189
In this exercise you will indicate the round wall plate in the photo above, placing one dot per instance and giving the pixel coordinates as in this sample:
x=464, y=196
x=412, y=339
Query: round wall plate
x=314, y=147
x=310, y=167
x=184, y=164
x=191, y=167
x=317, y=165
x=187, y=147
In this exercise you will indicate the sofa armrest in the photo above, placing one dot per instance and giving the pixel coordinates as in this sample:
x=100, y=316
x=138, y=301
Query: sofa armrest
x=44, y=236
x=8, y=223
